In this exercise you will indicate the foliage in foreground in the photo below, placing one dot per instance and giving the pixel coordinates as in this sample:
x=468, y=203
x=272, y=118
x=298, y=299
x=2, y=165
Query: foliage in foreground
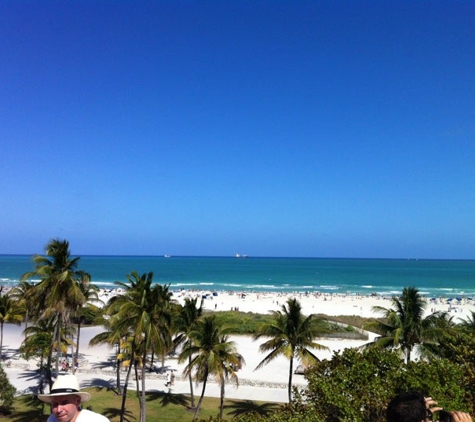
x=7, y=393
x=356, y=386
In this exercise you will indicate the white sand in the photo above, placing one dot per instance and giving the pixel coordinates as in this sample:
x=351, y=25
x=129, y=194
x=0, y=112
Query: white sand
x=268, y=383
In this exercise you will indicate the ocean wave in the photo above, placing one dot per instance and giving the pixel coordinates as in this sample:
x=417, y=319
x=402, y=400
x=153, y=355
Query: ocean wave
x=261, y=286
x=105, y=284
x=206, y=284
x=329, y=287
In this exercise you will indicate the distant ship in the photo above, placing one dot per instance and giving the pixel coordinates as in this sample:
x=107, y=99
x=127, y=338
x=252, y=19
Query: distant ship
x=241, y=256
x=167, y=256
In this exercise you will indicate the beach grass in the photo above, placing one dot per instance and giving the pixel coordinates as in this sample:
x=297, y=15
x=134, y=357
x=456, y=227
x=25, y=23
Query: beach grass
x=251, y=322
x=160, y=406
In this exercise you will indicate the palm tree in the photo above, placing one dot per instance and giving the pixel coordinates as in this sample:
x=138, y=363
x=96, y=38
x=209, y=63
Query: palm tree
x=143, y=309
x=114, y=335
x=404, y=326
x=211, y=354
x=89, y=295
x=291, y=335
x=469, y=322
x=185, y=324
x=58, y=292
x=227, y=362
x=20, y=293
x=39, y=343
x=10, y=311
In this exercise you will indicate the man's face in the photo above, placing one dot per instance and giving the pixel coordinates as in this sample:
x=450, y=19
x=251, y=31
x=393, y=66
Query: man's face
x=66, y=408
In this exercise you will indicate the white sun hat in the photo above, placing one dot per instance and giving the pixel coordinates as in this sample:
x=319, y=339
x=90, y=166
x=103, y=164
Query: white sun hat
x=65, y=385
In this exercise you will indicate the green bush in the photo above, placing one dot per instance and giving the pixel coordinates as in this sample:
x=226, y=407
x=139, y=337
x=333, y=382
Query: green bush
x=7, y=393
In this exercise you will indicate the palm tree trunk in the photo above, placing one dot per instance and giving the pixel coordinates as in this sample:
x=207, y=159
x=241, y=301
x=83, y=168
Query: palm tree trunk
x=124, y=393
x=26, y=321
x=1, y=339
x=119, y=387
x=48, y=366
x=76, y=355
x=143, y=410
x=57, y=337
x=137, y=380
x=152, y=359
x=290, y=378
x=201, y=398
x=190, y=378
x=221, y=402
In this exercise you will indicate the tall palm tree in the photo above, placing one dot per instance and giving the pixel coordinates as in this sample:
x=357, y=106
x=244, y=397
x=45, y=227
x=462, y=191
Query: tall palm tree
x=10, y=311
x=89, y=296
x=58, y=292
x=114, y=335
x=162, y=309
x=292, y=335
x=39, y=342
x=404, y=326
x=143, y=309
x=185, y=324
x=211, y=354
x=227, y=362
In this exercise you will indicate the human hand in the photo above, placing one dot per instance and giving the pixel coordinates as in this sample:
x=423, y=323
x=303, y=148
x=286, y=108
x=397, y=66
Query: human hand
x=431, y=404
x=461, y=417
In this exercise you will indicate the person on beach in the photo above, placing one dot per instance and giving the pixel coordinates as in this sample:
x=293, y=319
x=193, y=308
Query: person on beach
x=65, y=399
x=169, y=379
x=412, y=406
x=172, y=377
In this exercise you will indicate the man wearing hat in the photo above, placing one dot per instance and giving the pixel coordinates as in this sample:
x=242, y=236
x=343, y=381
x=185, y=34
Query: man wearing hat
x=65, y=399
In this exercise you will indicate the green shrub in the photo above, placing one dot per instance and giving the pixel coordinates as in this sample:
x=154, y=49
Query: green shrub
x=7, y=393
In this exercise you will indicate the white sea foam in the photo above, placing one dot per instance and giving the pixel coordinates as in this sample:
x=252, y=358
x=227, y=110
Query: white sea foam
x=328, y=287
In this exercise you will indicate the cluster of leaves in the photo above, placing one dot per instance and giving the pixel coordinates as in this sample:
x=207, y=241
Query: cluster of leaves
x=459, y=347
x=7, y=393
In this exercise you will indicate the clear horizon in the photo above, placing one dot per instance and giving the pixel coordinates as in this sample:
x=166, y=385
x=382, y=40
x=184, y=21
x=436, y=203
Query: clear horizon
x=272, y=129
x=249, y=257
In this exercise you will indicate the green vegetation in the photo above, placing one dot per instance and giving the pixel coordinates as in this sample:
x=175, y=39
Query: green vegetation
x=252, y=323
x=291, y=335
x=404, y=326
x=7, y=392
x=144, y=324
x=160, y=406
x=209, y=352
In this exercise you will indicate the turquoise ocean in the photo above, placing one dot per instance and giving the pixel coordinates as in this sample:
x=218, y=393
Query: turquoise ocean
x=433, y=278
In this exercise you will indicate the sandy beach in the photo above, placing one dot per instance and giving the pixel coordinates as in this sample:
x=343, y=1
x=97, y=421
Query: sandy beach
x=268, y=383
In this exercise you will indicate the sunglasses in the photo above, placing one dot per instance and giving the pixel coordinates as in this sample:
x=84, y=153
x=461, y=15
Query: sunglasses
x=429, y=416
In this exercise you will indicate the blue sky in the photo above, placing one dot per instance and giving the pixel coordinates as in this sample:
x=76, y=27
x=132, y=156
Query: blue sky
x=269, y=128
